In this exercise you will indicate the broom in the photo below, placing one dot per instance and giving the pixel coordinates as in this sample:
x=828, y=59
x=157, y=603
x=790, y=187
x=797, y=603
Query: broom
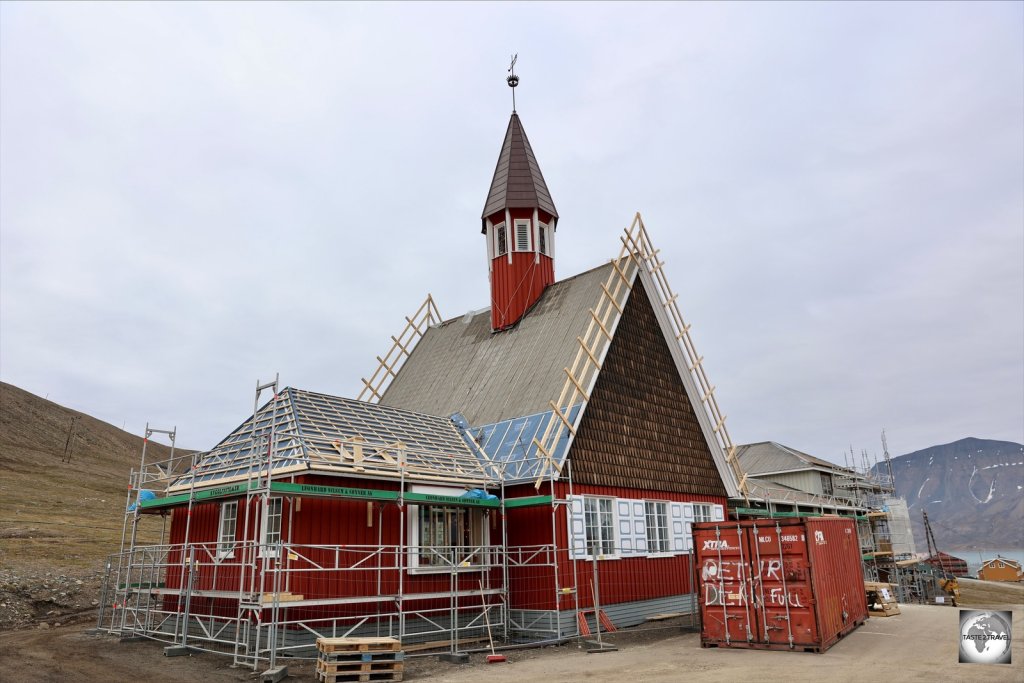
x=494, y=657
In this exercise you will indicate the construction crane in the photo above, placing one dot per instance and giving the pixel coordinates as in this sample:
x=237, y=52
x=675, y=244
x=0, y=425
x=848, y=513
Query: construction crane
x=948, y=582
x=888, y=462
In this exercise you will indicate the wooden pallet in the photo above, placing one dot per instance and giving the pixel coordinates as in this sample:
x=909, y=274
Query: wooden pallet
x=362, y=657
x=358, y=645
x=359, y=667
x=341, y=677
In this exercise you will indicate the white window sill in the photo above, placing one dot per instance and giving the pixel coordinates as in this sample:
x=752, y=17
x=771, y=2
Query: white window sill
x=657, y=555
x=445, y=570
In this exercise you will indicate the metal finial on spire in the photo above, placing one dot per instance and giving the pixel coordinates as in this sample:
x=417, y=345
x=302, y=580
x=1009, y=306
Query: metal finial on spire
x=513, y=80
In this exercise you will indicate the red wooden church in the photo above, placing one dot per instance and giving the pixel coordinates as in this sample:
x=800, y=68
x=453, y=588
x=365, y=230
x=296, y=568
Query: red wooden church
x=498, y=457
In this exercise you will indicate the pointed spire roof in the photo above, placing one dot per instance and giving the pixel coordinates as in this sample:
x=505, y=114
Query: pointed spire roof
x=518, y=182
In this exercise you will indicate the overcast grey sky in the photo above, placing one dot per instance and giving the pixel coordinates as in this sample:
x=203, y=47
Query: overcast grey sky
x=196, y=196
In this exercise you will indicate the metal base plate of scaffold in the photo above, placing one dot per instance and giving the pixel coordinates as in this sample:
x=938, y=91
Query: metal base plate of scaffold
x=594, y=647
x=278, y=673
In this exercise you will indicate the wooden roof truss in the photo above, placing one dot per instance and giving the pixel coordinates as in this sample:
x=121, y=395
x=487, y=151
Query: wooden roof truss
x=315, y=432
x=637, y=252
x=401, y=348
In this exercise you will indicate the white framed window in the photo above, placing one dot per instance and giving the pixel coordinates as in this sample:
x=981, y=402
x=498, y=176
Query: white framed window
x=702, y=512
x=522, y=236
x=500, y=240
x=445, y=537
x=227, y=528
x=826, y=483
x=656, y=516
x=542, y=239
x=599, y=526
x=270, y=533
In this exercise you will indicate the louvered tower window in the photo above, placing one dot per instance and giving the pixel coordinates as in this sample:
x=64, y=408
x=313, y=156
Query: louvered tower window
x=522, y=235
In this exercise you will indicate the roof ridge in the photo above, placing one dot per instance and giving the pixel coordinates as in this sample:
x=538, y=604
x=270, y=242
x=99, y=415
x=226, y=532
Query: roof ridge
x=375, y=405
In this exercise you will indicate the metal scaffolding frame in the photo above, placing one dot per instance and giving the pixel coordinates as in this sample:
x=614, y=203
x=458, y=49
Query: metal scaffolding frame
x=263, y=622
x=258, y=618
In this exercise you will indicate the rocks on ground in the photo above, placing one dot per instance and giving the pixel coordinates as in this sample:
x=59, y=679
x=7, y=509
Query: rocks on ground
x=41, y=599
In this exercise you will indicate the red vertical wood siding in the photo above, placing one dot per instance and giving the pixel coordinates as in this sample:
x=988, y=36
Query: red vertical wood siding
x=627, y=579
x=516, y=286
x=339, y=521
x=318, y=572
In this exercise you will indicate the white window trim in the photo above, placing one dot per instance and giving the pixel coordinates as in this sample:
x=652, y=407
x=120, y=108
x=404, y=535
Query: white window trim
x=489, y=238
x=710, y=510
x=544, y=245
x=667, y=505
x=268, y=550
x=413, y=544
x=616, y=548
x=224, y=552
x=525, y=223
x=495, y=241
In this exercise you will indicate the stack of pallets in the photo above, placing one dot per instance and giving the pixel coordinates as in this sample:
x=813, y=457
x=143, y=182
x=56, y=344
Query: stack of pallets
x=359, y=659
x=881, y=599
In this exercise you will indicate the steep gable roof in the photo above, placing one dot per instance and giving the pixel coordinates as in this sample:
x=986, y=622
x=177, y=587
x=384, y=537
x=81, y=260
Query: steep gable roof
x=517, y=182
x=461, y=366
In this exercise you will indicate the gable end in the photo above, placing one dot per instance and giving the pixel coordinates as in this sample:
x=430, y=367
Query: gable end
x=640, y=429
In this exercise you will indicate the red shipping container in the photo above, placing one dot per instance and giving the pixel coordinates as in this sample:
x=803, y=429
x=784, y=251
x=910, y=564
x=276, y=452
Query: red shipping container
x=793, y=584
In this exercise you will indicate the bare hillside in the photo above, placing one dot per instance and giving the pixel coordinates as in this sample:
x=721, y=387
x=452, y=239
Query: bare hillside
x=57, y=512
x=61, y=508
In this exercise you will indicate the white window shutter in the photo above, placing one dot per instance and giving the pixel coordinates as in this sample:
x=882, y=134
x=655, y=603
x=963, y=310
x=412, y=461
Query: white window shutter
x=717, y=513
x=639, y=527
x=677, y=528
x=625, y=545
x=577, y=529
x=688, y=526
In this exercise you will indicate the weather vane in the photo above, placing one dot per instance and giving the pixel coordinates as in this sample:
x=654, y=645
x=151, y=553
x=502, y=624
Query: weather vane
x=513, y=80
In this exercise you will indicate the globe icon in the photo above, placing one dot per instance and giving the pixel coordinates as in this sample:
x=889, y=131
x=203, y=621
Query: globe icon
x=984, y=638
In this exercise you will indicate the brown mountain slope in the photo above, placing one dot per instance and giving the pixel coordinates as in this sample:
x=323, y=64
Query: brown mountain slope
x=54, y=515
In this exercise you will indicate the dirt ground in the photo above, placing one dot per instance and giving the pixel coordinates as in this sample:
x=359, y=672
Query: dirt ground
x=918, y=645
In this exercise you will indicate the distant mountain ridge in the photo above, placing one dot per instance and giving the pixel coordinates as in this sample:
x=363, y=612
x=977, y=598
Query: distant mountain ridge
x=972, y=489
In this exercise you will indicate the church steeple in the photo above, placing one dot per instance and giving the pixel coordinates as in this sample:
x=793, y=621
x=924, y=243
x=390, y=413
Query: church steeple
x=519, y=220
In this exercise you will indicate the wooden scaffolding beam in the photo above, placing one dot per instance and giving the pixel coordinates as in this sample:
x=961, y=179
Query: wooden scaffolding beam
x=401, y=348
x=637, y=252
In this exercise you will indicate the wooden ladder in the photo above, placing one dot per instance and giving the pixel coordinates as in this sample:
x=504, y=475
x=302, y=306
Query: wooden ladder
x=401, y=348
